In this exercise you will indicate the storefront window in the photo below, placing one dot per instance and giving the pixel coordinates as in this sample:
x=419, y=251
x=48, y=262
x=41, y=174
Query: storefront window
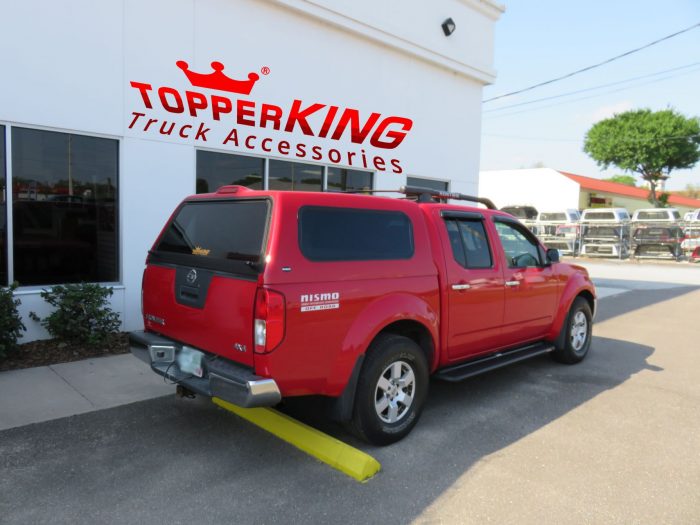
x=3, y=211
x=64, y=208
x=431, y=184
x=348, y=180
x=220, y=169
x=294, y=176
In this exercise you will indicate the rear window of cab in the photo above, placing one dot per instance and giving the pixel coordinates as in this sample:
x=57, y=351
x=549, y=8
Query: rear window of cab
x=223, y=235
x=354, y=234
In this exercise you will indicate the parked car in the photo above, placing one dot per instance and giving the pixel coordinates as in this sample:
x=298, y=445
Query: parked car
x=255, y=296
x=605, y=232
x=559, y=230
x=657, y=241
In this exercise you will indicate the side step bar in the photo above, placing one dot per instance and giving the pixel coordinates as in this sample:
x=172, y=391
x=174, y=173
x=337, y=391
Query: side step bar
x=491, y=362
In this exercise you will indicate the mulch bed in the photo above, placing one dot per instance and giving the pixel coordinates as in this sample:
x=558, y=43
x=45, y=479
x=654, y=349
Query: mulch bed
x=51, y=352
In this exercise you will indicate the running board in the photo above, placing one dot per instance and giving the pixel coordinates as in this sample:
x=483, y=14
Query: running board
x=491, y=362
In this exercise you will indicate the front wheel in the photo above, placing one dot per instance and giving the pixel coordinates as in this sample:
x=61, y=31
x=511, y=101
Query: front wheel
x=391, y=390
x=578, y=330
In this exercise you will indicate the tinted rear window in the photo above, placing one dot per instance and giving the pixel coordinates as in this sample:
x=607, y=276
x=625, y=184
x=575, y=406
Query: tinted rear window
x=599, y=216
x=218, y=230
x=553, y=217
x=343, y=234
x=652, y=215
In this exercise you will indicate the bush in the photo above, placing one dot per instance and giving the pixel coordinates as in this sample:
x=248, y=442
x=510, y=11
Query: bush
x=11, y=326
x=81, y=313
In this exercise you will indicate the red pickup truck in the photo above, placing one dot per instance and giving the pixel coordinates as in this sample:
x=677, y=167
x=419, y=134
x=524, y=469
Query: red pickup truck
x=255, y=296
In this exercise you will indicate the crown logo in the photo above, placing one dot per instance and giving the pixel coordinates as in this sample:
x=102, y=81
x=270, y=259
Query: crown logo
x=198, y=250
x=218, y=80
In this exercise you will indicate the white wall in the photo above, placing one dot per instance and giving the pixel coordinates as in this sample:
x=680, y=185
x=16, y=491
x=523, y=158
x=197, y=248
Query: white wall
x=68, y=66
x=544, y=188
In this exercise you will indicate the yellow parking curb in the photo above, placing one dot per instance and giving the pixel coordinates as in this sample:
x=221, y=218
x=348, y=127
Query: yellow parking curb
x=331, y=451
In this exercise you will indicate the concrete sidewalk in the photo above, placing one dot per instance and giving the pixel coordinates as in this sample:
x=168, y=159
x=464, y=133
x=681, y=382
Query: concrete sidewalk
x=43, y=393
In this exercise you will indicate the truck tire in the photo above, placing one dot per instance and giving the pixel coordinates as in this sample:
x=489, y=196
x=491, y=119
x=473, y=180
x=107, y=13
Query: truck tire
x=391, y=390
x=578, y=330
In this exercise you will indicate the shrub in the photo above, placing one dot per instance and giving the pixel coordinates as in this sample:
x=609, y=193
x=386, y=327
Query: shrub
x=81, y=313
x=11, y=326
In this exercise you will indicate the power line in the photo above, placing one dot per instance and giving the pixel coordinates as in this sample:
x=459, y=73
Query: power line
x=588, y=68
x=627, y=139
x=547, y=106
x=601, y=86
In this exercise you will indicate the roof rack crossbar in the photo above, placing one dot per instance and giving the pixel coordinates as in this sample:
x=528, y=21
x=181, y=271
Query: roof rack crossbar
x=428, y=195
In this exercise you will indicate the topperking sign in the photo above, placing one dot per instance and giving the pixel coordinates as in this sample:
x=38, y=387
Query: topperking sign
x=220, y=111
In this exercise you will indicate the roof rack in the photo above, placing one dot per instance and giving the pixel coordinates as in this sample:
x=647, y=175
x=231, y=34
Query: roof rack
x=430, y=195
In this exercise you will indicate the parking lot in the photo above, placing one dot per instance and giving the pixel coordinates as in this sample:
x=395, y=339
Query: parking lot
x=612, y=440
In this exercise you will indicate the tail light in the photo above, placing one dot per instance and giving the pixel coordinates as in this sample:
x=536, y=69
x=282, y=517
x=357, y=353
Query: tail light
x=269, y=320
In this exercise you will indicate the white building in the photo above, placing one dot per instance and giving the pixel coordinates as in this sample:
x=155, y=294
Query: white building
x=113, y=111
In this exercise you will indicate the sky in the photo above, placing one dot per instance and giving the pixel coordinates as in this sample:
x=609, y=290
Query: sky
x=537, y=40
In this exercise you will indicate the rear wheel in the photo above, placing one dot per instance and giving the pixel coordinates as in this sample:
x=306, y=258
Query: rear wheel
x=391, y=390
x=578, y=330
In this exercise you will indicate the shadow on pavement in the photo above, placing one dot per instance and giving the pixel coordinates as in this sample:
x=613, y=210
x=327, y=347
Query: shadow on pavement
x=636, y=299
x=175, y=461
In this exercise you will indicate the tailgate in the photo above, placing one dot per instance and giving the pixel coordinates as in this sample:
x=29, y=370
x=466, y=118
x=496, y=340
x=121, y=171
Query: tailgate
x=202, y=275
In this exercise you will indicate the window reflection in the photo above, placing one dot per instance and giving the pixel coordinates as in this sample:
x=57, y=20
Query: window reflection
x=64, y=191
x=220, y=169
x=348, y=180
x=439, y=185
x=294, y=176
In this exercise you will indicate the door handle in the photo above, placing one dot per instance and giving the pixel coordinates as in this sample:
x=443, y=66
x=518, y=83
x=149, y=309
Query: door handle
x=461, y=286
x=512, y=283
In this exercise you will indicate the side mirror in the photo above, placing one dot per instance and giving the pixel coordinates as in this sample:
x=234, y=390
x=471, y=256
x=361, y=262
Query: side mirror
x=552, y=256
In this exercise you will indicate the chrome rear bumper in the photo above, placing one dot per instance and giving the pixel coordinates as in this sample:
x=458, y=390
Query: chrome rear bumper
x=222, y=378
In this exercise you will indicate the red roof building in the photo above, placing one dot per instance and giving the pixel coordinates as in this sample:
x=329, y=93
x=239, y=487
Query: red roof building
x=549, y=190
x=613, y=188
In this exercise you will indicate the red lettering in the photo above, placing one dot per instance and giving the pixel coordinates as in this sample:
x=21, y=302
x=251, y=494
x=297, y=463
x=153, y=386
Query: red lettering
x=148, y=124
x=297, y=115
x=248, y=141
x=195, y=101
x=136, y=117
x=162, y=128
x=182, y=131
x=265, y=148
x=352, y=117
x=270, y=113
x=334, y=156
x=397, y=167
x=364, y=158
x=379, y=163
x=232, y=137
x=328, y=121
x=396, y=136
x=178, y=107
x=283, y=145
x=202, y=132
x=316, y=153
x=143, y=89
x=220, y=105
x=245, y=108
x=351, y=154
x=301, y=150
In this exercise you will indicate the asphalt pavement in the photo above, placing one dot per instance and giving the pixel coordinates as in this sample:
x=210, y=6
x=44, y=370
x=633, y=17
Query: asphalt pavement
x=614, y=439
